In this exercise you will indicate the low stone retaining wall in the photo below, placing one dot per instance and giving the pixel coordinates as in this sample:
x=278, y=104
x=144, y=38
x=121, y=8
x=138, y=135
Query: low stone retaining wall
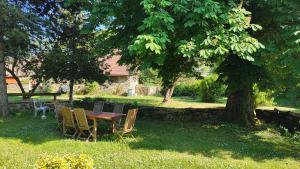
x=163, y=113
x=21, y=106
x=289, y=120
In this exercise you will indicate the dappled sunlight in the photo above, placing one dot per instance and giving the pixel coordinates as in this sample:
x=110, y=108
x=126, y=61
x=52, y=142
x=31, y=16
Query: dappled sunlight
x=28, y=129
x=214, y=141
x=157, y=142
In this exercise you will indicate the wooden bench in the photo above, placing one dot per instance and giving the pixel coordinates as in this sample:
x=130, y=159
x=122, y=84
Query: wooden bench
x=35, y=94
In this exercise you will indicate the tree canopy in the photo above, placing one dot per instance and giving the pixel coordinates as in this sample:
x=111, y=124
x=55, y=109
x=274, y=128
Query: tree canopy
x=71, y=57
x=172, y=38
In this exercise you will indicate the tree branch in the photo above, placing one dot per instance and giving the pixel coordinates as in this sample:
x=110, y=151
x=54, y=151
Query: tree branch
x=18, y=80
x=241, y=4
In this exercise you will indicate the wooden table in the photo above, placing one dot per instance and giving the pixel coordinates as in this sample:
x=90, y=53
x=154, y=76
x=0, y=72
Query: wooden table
x=103, y=116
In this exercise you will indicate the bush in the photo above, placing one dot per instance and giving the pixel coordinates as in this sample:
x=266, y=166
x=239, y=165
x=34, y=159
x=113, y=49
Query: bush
x=207, y=89
x=211, y=89
x=262, y=98
x=66, y=162
x=89, y=88
x=149, y=77
x=118, y=90
x=191, y=89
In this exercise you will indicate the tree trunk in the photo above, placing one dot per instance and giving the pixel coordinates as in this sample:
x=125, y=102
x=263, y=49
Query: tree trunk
x=240, y=107
x=34, y=88
x=3, y=87
x=168, y=94
x=71, y=92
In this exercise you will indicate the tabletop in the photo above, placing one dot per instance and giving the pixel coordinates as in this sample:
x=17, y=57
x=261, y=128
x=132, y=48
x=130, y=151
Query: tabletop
x=103, y=115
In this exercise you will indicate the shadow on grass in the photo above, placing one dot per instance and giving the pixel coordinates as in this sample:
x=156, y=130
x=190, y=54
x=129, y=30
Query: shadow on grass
x=25, y=127
x=213, y=141
x=210, y=140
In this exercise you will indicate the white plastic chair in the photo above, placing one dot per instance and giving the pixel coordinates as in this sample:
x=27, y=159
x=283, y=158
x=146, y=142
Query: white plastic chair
x=40, y=107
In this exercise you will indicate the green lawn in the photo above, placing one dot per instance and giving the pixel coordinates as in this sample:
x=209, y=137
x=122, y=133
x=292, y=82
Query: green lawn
x=159, y=144
x=175, y=102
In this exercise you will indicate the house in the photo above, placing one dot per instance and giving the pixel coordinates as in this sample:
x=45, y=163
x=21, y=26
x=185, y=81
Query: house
x=121, y=80
x=10, y=80
x=117, y=73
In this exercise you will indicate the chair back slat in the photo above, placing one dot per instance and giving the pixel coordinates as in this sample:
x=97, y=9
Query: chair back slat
x=118, y=108
x=98, y=107
x=81, y=119
x=130, y=120
x=58, y=109
x=68, y=119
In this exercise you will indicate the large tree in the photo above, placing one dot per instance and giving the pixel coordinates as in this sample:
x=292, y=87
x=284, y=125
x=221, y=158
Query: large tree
x=160, y=34
x=280, y=20
x=174, y=37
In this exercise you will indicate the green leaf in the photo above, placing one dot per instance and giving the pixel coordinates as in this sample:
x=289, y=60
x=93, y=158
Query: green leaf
x=153, y=47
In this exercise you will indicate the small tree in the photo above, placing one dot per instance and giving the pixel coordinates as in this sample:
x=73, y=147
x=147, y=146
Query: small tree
x=13, y=37
x=71, y=57
x=19, y=58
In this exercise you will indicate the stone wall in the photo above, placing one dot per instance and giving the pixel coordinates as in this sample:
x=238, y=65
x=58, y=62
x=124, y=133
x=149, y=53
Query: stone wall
x=23, y=106
x=287, y=119
x=147, y=90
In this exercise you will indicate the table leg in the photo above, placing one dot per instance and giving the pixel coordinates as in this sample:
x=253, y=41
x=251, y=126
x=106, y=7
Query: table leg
x=95, y=129
x=113, y=126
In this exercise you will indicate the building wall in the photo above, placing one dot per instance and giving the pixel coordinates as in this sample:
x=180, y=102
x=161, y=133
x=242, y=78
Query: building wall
x=121, y=85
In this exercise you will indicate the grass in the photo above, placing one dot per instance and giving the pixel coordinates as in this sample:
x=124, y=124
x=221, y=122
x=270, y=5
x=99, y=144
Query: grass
x=159, y=144
x=175, y=102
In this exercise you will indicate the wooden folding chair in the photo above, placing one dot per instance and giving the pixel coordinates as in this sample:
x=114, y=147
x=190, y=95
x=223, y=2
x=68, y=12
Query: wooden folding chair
x=118, y=108
x=58, y=114
x=83, y=125
x=68, y=122
x=128, y=125
x=98, y=107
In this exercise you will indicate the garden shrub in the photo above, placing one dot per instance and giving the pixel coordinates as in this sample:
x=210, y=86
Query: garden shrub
x=207, y=89
x=118, y=90
x=263, y=98
x=89, y=88
x=211, y=89
x=70, y=161
x=190, y=88
x=149, y=77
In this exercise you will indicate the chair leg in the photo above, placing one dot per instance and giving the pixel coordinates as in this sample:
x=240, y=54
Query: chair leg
x=120, y=136
x=94, y=135
x=91, y=135
x=131, y=135
x=59, y=126
x=80, y=133
x=44, y=114
x=75, y=133
x=64, y=130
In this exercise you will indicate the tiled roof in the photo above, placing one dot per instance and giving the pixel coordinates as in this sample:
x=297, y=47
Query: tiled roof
x=10, y=80
x=114, y=68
